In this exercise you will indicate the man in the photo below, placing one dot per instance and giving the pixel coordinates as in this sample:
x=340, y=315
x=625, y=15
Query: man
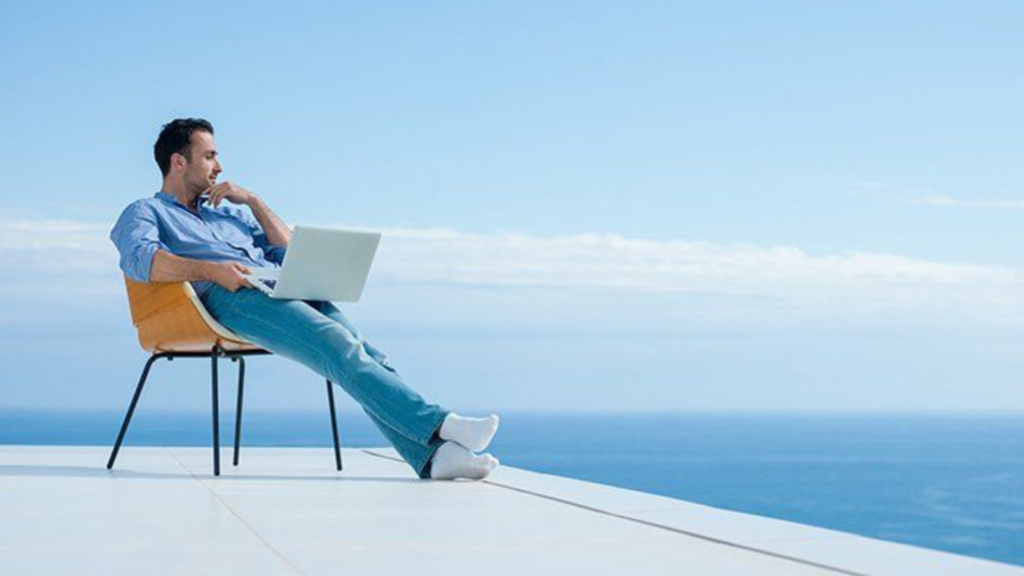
x=194, y=230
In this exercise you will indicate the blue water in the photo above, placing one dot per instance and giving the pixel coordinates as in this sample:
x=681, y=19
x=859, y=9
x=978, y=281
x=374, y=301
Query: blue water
x=953, y=483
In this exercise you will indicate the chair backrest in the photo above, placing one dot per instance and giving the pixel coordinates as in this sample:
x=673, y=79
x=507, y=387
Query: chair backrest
x=169, y=317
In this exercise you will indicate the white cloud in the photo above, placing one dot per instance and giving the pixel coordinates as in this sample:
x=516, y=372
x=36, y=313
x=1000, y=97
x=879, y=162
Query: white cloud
x=948, y=202
x=58, y=244
x=40, y=256
x=847, y=284
x=608, y=260
x=44, y=260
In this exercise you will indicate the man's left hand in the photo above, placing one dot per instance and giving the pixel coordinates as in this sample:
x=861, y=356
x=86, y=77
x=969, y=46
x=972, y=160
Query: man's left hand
x=228, y=191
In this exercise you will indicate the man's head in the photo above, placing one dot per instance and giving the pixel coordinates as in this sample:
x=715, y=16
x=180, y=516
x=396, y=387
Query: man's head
x=186, y=154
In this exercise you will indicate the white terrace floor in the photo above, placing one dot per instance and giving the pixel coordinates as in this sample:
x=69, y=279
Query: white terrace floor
x=287, y=511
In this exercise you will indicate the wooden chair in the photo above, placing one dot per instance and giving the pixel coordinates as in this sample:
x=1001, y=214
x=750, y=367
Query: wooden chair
x=173, y=323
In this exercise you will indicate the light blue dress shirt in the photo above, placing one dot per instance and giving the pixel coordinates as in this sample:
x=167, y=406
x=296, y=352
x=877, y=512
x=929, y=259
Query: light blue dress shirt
x=163, y=223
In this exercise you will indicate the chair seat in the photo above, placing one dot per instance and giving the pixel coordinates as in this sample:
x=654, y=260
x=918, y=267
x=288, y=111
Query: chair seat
x=169, y=317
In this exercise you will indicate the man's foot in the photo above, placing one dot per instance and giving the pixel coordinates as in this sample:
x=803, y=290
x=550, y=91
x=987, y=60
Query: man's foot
x=453, y=461
x=473, y=433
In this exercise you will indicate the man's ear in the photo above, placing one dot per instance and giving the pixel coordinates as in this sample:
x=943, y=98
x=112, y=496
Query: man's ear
x=178, y=160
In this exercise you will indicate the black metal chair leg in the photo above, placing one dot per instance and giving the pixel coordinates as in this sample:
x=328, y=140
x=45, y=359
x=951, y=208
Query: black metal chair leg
x=238, y=406
x=215, y=353
x=131, y=410
x=216, y=412
x=334, y=425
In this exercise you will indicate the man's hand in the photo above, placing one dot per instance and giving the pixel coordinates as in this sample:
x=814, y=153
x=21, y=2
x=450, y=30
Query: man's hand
x=230, y=192
x=227, y=275
x=277, y=232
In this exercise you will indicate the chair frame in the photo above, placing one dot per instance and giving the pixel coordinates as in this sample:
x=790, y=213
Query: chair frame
x=152, y=306
x=214, y=354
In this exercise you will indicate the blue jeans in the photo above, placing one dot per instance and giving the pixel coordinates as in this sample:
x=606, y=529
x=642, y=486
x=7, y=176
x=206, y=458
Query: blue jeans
x=319, y=336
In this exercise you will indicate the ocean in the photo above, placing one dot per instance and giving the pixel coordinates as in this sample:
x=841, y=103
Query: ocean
x=943, y=481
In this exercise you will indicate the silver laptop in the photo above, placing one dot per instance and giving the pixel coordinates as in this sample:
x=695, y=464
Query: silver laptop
x=320, y=264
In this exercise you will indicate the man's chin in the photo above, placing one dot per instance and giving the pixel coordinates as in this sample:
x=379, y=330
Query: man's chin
x=199, y=190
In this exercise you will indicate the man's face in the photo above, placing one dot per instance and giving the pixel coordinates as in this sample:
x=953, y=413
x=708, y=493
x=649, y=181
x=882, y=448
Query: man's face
x=202, y=166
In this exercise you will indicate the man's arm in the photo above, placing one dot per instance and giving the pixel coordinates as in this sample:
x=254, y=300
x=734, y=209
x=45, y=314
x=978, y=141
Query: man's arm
x=278, y=233
x=170, y=268
x=275, y=229
x=145, y=259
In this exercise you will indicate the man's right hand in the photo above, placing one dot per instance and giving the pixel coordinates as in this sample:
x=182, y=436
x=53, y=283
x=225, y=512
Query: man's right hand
x=227, y=275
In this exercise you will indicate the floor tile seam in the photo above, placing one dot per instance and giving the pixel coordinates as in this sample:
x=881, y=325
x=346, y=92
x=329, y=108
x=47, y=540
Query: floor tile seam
x=291, y=565
x=460, y=544
x=697, y=535
x=712, y=539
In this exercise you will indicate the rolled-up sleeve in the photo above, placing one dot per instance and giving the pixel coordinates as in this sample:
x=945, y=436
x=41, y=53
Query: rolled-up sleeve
x=275, y=253
x=137, y=237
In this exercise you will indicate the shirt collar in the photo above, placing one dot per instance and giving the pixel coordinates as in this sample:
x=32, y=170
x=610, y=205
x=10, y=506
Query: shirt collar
x=172, y=199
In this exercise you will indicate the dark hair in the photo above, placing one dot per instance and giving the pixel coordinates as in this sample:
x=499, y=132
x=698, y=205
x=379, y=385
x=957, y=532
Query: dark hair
x=176, y=138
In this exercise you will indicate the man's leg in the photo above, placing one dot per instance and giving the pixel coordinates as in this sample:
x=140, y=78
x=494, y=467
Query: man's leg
x=331, y=311
x=411, y=451
x=417, y=455
x=478, y=430
x=297, y=331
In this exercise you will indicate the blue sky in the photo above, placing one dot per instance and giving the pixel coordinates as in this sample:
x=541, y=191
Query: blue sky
x=586, y=205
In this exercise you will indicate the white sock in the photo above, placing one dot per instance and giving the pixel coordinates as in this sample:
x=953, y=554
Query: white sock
x=473, y=433
x=453, y=461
